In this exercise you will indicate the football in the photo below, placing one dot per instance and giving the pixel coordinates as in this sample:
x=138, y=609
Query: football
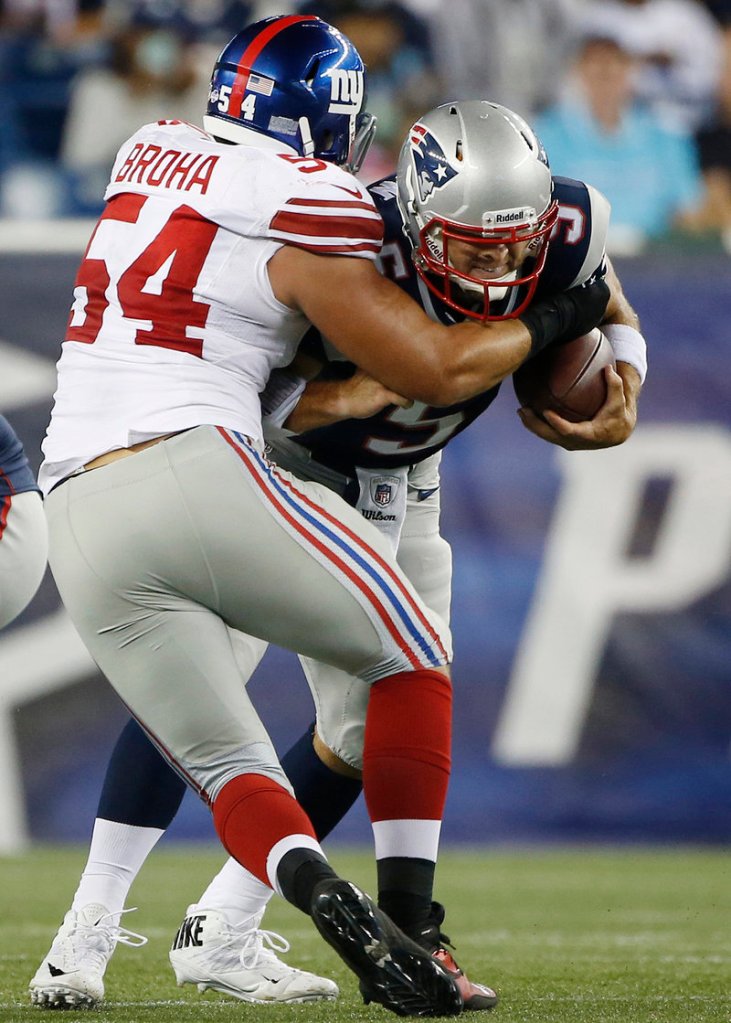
x=567, y=378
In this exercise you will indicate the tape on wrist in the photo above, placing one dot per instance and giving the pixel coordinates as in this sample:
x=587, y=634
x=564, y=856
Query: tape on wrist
x=628, y=346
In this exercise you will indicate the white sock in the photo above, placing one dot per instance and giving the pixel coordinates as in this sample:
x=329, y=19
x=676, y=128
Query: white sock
x=236, y=891
x=418, y=839
x=116, y=853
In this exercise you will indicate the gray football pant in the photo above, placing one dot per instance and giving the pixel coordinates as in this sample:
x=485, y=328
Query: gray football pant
x=156, y=554
x=341, y=700
x=23, y=553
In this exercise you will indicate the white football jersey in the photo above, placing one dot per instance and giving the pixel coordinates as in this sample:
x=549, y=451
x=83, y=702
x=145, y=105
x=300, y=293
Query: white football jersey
x=174, y=323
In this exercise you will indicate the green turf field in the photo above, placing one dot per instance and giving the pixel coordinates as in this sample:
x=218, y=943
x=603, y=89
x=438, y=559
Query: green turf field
x=591, y=935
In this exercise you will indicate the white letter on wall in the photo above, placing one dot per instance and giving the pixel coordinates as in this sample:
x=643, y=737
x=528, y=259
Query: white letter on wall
x=587, y=577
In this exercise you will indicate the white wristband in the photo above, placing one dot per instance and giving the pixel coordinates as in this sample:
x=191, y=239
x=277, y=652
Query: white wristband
x=628, y=346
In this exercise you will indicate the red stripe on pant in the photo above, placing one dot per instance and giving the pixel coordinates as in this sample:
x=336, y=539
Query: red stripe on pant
x=5, y=505
x=408, y=736
x=251, y=814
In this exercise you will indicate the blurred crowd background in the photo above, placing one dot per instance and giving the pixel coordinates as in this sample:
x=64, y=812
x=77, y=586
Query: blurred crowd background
x=633, y=96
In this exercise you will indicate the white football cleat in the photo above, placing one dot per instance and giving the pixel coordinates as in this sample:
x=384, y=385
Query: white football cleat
x=71, y=975
x=240, y=961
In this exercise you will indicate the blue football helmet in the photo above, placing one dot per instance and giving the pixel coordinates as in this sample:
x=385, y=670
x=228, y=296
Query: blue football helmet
x=297, y=80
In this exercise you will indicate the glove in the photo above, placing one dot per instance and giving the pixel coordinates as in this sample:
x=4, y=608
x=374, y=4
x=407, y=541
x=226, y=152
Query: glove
x=567, y=315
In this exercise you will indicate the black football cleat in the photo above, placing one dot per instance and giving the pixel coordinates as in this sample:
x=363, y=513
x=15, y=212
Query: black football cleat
x=392, y=968
x=475, y=997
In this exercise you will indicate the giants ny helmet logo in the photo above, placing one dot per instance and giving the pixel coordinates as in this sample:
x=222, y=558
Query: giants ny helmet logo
x=347, y=89
x=432, y=167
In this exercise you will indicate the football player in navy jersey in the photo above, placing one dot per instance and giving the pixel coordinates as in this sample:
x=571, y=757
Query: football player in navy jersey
x=23, y=531
x=477, y=228
x=561, y=247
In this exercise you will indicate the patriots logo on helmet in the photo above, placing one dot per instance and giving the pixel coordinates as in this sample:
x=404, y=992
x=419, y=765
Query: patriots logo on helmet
x=432, y=167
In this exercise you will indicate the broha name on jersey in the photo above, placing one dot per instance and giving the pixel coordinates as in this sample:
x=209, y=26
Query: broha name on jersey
x=169, y=168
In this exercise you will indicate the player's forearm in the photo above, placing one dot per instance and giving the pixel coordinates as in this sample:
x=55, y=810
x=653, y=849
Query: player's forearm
x=481, y=356
x=321, y=404
x=621, y=324
x=618, y=308
x=453, y=364
x=632, y=383
x=384, y=332
x=505, y=344
x=551, y=319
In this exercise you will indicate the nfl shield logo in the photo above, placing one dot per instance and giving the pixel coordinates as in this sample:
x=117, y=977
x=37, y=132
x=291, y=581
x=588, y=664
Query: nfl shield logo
x=383, y=489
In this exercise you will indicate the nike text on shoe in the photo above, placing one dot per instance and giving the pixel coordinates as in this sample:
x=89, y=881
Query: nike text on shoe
x=393, y=970
x=240, y=961
x=71, y=975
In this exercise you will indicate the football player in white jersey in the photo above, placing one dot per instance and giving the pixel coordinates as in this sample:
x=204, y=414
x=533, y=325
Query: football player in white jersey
x=169, y=526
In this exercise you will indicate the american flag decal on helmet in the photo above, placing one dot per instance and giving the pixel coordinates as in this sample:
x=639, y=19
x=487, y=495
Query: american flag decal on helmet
x=258, y=83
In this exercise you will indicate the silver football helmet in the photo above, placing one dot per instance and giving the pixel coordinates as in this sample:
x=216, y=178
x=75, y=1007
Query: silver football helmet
x=475, y=172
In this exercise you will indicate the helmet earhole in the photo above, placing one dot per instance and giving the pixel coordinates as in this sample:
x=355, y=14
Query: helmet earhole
x=313, y=74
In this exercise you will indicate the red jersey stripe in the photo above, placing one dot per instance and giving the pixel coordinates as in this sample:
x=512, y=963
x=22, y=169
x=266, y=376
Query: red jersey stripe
x=327, y=228
x=345, y=204
x=346, y=249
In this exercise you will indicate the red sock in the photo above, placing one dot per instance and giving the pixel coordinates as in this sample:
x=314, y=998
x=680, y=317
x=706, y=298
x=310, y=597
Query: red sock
x=406, y=759
x=252, y=813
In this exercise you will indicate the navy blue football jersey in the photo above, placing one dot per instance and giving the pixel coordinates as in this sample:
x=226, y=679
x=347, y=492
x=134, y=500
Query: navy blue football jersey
x=16, y=475
x=396, y=436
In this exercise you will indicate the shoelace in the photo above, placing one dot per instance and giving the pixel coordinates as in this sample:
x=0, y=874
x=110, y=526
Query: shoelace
x=111, y=933
x=100, y=938
x=260, y=944
x=122, y=936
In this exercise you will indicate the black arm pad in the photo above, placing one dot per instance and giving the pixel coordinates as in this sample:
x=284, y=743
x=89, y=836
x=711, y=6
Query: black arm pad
x=567, y=315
